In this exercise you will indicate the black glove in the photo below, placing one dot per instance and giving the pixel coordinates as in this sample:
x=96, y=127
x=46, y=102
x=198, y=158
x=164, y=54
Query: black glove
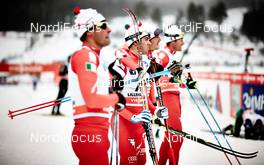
x=117, y=80
x=120, y=105
x=155, y=67
x=157, y=121
x=139, y=70
x=175, y=79
x=190, y=82
x=176, y=69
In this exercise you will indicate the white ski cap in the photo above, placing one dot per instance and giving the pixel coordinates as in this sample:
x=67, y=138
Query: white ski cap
x=172, y=33
x=86, y=19
x=131, y=34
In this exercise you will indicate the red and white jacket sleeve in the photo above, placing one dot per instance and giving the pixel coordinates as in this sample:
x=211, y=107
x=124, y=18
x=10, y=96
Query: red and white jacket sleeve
x=87, y=80
x=163, y=59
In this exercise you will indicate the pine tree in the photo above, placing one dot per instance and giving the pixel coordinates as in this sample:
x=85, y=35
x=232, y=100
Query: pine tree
x=218, y=12
x=140, y=9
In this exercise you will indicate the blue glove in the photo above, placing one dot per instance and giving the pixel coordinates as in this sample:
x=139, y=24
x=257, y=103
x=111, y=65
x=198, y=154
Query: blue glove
x=144, y=116
x=162, y=112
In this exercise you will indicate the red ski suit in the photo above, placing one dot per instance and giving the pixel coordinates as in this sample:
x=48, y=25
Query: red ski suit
x=131, y=136
x=171, y=99
x=92, y=104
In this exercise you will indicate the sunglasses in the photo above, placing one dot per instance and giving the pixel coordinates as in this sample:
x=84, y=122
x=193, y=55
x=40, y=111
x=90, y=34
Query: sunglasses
x=102, y=25
x=157, y=32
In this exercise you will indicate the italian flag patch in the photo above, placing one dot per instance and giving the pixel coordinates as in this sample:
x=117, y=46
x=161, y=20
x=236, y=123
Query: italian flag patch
x=90, y=67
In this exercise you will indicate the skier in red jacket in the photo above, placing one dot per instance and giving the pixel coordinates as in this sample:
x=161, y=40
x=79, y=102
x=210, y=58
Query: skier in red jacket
x=89, y=88
x=170, y=92
x=131, y=139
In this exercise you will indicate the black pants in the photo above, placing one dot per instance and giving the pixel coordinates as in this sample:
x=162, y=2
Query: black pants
x=63, y=87
x=236, y=128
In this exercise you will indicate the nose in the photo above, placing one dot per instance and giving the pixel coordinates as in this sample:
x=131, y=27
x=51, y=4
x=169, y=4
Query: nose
x=148, y=42
x=108, y=29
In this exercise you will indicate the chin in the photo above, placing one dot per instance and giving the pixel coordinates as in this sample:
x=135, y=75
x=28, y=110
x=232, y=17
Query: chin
x=107, y=42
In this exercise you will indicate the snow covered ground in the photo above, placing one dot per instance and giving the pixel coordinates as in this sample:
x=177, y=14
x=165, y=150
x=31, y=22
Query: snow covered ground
x=39, y=138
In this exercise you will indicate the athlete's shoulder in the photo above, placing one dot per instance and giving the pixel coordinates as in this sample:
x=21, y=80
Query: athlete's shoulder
x=85, y=54
x=122, y=52
x=162, y=58
x=161, y=53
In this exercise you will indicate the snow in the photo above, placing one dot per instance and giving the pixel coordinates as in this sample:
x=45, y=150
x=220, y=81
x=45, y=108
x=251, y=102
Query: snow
x=235, y=17
x=37, y=136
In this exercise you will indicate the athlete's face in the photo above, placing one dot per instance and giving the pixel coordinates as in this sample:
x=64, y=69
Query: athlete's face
x=177, y=45
x=155, y=43
x=101, y=35
x=145, y=44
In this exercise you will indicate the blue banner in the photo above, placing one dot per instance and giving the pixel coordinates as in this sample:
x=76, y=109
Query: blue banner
x=253, y=98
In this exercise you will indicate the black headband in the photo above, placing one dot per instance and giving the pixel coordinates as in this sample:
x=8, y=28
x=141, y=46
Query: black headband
x=132, y=36
x=171, y=35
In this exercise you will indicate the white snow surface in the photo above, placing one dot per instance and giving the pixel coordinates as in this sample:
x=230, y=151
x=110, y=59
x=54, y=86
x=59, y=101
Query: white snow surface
x=37, y=136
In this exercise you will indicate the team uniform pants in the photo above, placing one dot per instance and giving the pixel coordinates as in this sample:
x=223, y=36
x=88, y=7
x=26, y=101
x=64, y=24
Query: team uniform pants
x=172, y=102
x=90, y=142
x=131, y=140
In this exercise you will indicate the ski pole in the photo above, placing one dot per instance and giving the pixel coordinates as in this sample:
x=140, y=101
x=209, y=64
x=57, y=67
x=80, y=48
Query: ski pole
x=207, y=122
x=112, y=142
x=207, y=107
x=248, y=52
x=160, y=101
x=27, y=110
x=189, y=45
x=68, y=97
x=115, y=136
x=166, y=126
x=215, y=121
x=147, y=126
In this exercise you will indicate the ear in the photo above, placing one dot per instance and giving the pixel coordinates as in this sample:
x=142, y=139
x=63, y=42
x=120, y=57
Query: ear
x=89, y=34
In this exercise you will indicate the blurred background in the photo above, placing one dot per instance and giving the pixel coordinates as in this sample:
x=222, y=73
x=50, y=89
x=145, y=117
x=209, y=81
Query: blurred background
x=32, y=55
x=26, y=39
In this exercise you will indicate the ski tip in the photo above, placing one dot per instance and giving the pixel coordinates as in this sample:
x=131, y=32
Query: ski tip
x=10, y=114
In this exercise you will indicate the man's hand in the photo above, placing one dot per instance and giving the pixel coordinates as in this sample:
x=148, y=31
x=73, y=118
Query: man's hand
x=162, y=112
x=144, y=116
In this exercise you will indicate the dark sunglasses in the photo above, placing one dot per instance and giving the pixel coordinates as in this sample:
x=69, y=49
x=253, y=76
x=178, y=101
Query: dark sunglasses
x=102, y=25
x=157, y=32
